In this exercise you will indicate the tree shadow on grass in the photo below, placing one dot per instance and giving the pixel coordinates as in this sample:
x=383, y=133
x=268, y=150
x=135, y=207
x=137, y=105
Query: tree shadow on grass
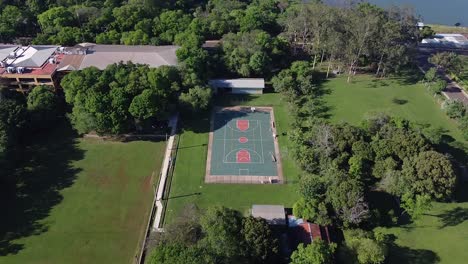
x=410, y=76
x=378, y=83
x=399, y=101
x=453, y=217
x=405, y=255
x=34, y=176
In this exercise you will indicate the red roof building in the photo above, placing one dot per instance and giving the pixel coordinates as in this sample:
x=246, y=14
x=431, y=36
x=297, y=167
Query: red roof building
x=301, y=231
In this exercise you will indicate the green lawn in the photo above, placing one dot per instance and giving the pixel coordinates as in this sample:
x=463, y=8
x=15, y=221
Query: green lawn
x=442, y=234
x=353, y=102
x=188, y=182
x=86, y=201
x=449, y=29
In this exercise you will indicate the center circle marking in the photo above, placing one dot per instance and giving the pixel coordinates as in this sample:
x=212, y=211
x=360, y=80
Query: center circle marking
x=243, y=140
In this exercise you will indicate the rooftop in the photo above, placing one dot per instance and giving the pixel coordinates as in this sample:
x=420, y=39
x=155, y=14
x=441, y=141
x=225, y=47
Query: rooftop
x=273, y=214
x=254, y=83
x=101, y=56
x=33, y=60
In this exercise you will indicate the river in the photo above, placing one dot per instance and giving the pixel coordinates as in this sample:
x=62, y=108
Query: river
x=445, y=12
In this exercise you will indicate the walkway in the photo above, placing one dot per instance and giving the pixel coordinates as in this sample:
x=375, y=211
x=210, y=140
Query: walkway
x=453, y=90
x=164, y=171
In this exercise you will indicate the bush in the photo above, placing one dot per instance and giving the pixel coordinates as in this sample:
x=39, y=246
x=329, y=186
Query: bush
x=455, y=109
x=463, y=125
x=437, y=86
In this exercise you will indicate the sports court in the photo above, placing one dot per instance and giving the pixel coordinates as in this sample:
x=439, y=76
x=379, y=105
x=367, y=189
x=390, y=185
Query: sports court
x=243, y=147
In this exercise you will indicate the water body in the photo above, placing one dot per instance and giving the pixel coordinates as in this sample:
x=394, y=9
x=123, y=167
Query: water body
x=445, y=12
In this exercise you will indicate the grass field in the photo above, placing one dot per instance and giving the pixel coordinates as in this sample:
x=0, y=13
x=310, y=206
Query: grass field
x=442, y=234
x=85, y=201
x=188, y=183
x=449, y=29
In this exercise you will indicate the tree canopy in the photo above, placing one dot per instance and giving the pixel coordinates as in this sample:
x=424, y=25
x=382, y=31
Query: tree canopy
x=318, y=252
x=109, y=101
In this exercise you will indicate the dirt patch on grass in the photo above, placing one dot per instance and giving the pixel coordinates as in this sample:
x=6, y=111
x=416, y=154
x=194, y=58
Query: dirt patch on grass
x=99, y=179
x=146, y=183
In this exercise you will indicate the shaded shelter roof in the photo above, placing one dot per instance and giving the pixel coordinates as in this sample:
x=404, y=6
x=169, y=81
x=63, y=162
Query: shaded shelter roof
x=252, y=83
x=273, y=214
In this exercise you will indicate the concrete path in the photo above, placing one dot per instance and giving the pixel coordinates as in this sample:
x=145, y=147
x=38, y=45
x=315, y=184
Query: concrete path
x=164, y=171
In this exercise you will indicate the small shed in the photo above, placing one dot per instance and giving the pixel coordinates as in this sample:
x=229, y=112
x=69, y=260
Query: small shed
x=238, y=86
x=273, y=214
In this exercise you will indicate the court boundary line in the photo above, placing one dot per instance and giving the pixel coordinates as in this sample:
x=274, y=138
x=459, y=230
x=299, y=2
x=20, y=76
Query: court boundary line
x=248, y=179
x=239, y=149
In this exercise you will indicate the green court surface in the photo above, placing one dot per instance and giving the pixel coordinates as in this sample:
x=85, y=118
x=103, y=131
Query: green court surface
x=243, y=143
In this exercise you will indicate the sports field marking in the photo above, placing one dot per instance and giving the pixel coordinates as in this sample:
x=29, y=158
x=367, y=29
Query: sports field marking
x=249, y=153
x=243, y=156
x=253, y=125
x=236, y=151
x=242, y=124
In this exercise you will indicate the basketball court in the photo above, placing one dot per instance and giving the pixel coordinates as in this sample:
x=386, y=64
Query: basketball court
x=243, y=146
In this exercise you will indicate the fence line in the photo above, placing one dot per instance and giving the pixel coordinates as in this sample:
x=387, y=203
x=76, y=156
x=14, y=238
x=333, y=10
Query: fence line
x=156, y=208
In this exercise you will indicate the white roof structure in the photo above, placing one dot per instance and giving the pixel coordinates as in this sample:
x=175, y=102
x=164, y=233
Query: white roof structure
x=101, y=56
x=28, y=56
x=252, y=83
x=447, y=40
x=273, y=214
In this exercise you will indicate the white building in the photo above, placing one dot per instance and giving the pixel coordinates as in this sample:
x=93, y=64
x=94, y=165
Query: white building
x=447, y=41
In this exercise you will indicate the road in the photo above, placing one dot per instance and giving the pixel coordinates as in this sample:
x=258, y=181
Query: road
x=453, y=90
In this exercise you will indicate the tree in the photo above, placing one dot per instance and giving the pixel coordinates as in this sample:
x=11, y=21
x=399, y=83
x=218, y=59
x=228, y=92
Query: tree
x=221, y=228
x=185, y=228
x=260, y=14
x=448, y=61
x=426, y=32
x=312, y=187
x=455, y=109
x=12, y=21
x=437, y=86
x=296, y=81
x=136, y=37
x=109, y=37
x=259, y=243
x=318, y=252
x=179, y=254
x=110, y=101
x=312, y=211
x=251, y=53
x=146, y=105
x=197, y=98
x=463, y=125
x=416, y=206
x=42, y=104
x=169, y=24
x=220, y=16
x=363, y=247
x=12, y=120
x=430, y=173
x=67, y=36
x=346, y=195
x=370, y=252
x=54, y=19
x=127, y=16
x=431, y=74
